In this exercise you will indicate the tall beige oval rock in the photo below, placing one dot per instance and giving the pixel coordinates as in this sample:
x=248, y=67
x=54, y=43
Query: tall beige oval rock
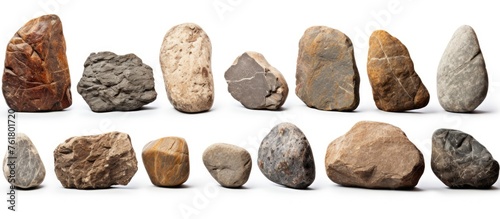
x=185, y=59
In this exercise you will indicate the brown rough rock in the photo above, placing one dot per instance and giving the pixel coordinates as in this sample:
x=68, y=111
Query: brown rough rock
x=95, y=162
x=36, y=75
x=395, y=85
x=185, y=59
x=167, y=161
x=374, y=155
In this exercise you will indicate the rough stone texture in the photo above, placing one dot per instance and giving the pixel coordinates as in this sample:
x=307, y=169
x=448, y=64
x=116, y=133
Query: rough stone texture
x=185, y=59
x=167, y=161
x=395, y=84
x=26, y=163
x=255, y=83
x=374, y=155
x=327, y=76
x=96, y=161
x=230, y=165
x=460, y=161
x=285, y=157
x=36, y=75
x=112, y=82
x=462, y=79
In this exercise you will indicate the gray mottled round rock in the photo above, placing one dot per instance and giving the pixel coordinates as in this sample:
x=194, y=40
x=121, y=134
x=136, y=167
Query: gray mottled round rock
x=113, y=82
x=185, y=59
x=230, y=165
x=460, y=161
x=255, y=83
x=327, y=75
x=374, y=155
x=24, y=168
x=285, y=157
x=462, y=79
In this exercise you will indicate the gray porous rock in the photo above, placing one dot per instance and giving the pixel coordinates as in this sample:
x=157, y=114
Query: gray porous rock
x=285, y=157
x=255, y=83
x=113, y=82
x=462, y=79
x=460, y=161
x=230, y=165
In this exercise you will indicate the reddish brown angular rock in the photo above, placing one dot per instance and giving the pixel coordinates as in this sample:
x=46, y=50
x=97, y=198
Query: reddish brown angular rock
x=374, y=155
x=96, y=161
x=395, y=84
x=36, y=75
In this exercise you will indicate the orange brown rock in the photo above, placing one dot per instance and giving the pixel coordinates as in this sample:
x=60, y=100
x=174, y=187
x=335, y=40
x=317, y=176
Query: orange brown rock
x=167, y=161
x=36, y=75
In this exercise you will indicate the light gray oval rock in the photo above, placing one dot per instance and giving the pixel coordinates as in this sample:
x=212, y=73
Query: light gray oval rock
x=460, y=161
x=113, y=82
x=462, y=79
x=327, y=75
x=255, y=83
x=230, y=165
x=185, y=59
x=285, y=157
x=24, y=167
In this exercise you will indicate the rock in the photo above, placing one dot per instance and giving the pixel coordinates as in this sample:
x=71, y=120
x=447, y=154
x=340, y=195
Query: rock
x=96, y=161
x=460, y=161
x=395, y=85
x=112, y=82
x=327, y=76
x=185, y=59
x=230, y=165
x=36, y=75
x=255, y=83
x=462, y=80
x=167, y=161
x=26, y=163
x=374, y=155
x=285, y=157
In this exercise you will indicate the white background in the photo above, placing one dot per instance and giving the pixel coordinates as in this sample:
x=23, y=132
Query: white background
x=273, y=29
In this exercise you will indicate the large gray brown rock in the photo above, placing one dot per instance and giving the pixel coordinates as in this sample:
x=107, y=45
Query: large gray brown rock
x=255, y=83
x=374, y=155
x=395, y=84
x=327, y=75
x=462, y=79
x=96, y=161
x=185, y=59
x=230, y=165
x=36, y=75
x=112, y=82
x=285, y=157
x=460, y=161
x=23, y=167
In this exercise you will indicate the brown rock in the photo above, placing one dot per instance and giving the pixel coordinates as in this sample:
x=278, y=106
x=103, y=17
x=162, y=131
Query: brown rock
x=167, y=161
x=185, y=59
x=395, y=84
x=36, y=75
x=374, y=155
x=95, y=162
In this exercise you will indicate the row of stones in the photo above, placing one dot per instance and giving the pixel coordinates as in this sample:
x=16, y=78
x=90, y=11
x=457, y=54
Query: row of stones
x=36, y=75
x=370, y=155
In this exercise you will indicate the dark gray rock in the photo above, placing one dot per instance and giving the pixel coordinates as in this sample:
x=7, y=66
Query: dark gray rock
x=462, y=79
x=327, y=76
x=112, y=82
x=255, y=83
x=27, y=165
x=460, y=161
x=285, y=157
x=230, y=165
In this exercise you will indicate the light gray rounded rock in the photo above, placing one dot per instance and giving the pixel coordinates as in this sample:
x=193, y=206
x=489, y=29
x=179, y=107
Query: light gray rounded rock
x=230, y=165
x=462, y=79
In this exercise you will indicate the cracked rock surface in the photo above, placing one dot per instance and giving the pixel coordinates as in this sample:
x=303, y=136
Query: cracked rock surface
x=36, y=75
x=395, y=84
x=255, y=83
x=228, y=164
x=113, y=82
